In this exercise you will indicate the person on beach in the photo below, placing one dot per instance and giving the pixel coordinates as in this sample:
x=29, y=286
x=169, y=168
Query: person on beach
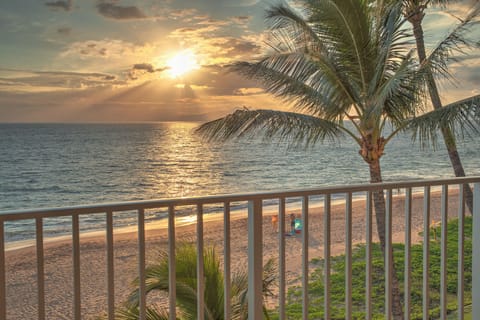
x=275, y=223
x=292, y=223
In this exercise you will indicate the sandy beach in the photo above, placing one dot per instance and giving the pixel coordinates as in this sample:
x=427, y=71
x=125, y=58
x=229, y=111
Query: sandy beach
x=21, y=263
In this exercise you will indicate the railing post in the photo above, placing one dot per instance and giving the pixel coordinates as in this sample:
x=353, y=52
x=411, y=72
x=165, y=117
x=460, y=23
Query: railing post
x=255, y=259
x=172, y=273
x=305, y=258
x=476, y=249
x=348, y=256
x=388, y=256
x=77, y=298
x=426, y=253
x=461, y=253
x=281, y=260
x=443, y=253
x=3, y=294
x=227, y=282
x=110, y=266
x=142, y=303
x=200, y=266
x=40, y=268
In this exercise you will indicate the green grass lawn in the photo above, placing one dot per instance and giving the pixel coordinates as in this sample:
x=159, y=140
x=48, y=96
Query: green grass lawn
x=337, y=292
x=467, y=315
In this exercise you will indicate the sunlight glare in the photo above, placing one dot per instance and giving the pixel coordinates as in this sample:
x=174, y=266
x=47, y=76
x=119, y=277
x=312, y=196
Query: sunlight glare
x=181, y=63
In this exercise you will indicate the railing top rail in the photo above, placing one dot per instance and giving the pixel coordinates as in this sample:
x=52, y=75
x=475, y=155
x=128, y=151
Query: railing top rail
x=165, y=203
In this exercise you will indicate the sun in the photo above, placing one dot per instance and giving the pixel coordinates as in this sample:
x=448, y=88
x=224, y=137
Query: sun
x=182, y=63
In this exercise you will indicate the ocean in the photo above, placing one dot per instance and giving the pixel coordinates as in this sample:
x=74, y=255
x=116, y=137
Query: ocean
x=57, y=165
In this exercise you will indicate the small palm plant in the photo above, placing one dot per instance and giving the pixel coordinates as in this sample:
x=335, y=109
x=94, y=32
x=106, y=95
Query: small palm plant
x=186, y=287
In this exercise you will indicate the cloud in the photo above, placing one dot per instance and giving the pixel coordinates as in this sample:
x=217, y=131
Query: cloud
x=239, y=3
x=193, y=31
x=64, y=31
x=107, y=48
x=241, y=47
x=242, y=20
x=117, y=12
x=215, y=80
x=213, y=22
x=225, y=50
x=142, y=68
x=50, y=81
x=208, y=39
x=60, y=5
x=188, y=92
x=248, y=91
x=182, y=13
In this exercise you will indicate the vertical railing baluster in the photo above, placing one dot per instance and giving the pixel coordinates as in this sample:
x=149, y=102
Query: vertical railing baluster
x=172, y=267
x=227, y=259
x=142, y=304
x=76, y=267
x=326, y=254
x=408, y=253
x=348, y=256
x=40, y=268
x=281, y=259
x=461, y=253
x=3, y=289
x=426, y=252
x=305, y=258
x=388, y=255
x=110, y=267
x=368, y=258
x=476, y=249
x=443, y=253
x=200, y=265
x=255, y=259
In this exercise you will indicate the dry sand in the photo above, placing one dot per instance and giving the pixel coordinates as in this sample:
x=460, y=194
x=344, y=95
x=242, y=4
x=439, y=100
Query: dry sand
x=21, y=263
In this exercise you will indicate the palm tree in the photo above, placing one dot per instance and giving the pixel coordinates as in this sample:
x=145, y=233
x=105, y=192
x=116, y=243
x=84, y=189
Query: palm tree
x=337, y=60
x=454, y=42
x=186, y=284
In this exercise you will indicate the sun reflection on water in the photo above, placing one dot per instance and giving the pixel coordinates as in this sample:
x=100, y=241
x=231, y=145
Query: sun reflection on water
x=178, y=164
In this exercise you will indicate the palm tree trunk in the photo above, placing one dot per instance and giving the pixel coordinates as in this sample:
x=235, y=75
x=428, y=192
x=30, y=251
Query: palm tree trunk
x=379, y=204
x=447, y=134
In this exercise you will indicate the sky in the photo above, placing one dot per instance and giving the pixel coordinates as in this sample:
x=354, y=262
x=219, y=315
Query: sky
x=121, y=60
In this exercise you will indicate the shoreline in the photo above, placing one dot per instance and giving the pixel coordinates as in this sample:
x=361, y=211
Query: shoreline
x=21, y=262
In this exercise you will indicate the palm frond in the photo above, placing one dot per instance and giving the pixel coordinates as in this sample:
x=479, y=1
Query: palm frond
x=314, y=87
x=346, y=27
x=294, y=128
x=454, y=43
x=289, y=28
x=270, y=273
x=461, y=117
x=329, y=53
x=393, y=88
x=186, y=280
x=391, y=50
x=133, y=313
x=398, y=96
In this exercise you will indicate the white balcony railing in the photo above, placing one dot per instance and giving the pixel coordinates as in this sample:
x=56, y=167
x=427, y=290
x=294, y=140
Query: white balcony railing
x=255, y=240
